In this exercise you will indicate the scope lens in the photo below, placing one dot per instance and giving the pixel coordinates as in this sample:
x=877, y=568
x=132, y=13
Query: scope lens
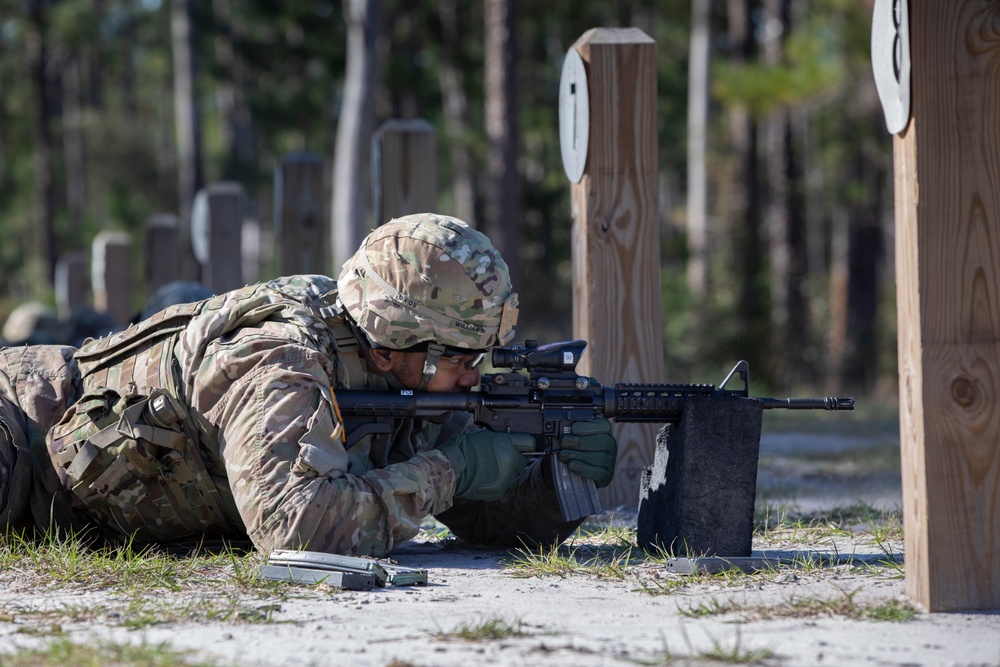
x=507, y=357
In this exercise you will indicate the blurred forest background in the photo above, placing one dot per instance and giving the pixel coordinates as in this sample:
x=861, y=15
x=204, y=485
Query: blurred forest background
x=775, y=164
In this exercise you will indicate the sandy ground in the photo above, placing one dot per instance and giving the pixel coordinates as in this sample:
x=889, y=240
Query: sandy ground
x=583, y=620
x=641, y=614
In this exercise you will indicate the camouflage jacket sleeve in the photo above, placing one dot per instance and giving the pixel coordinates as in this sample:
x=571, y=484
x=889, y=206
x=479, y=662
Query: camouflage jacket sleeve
x=292, y=481
x=528, y=514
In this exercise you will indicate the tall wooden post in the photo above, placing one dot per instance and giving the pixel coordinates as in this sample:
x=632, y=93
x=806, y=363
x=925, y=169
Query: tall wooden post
x=161, y=251
x=616, y=243
x=216, y=235
x=404, y=169
x=72, y=282
x=111, y=274
x=299, y=223
x=947, y=178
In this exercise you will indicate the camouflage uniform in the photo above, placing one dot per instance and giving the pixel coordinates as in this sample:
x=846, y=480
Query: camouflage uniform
x=37, y=385
x=219, y=420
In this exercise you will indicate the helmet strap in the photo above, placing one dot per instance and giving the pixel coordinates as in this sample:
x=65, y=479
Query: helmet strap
x=434, y=352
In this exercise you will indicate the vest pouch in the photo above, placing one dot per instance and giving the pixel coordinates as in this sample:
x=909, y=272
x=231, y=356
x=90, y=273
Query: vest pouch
x=113, y=451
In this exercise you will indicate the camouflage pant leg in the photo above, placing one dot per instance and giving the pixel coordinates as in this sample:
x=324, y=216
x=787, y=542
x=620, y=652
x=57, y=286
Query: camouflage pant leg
x=38, y=383
x=15, y=465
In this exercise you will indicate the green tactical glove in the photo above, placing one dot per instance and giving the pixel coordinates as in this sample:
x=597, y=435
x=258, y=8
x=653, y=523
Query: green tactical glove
x=590, y=450
x=486, y=463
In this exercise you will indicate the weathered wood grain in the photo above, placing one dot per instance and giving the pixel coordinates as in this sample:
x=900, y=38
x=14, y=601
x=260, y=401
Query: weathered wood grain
x=300, y=222
x=72, y=284
x=161, y=251
x=220, y=235
x=111, y=274
x=947, y=176
x=616, y=242
x=406, y=169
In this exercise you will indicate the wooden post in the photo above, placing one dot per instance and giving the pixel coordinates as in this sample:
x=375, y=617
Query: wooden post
x=161, y=251
x=72, y=282
x=616, y=243
x=947, y=199
x=216, y=235
x=253, y=250
x=299, y=223
x=404, y=169
x=111, y=275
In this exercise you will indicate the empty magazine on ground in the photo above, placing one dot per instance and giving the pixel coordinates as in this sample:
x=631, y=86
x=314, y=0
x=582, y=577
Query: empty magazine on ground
x=312, y=567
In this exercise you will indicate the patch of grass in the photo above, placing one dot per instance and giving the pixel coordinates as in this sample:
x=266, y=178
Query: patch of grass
x=768, y=517
x=896, y=569
x=858, y=513
x=144, y=586
x=843, y=605
x=123, y=569
x=546, y=561
x=670, y=583
x=564, y=560
x=70, y=613
x=54, y=630
x=667, y=586
x=657, y=553
x=63, y=652
x=890, y=530
x=488, y=629
x=224, y=609
x=736, y=654
x=782, y=525
x=144, y=612
x=711, y=607
x=609, y=534
x=893, y=610
x=856, y=528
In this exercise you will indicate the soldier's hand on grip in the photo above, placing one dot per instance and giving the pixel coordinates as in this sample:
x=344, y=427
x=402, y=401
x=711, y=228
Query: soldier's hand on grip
x=590, y=450
x=486, y=463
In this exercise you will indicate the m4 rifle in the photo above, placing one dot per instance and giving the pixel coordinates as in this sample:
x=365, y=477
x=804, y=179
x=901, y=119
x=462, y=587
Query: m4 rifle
x=537, y=390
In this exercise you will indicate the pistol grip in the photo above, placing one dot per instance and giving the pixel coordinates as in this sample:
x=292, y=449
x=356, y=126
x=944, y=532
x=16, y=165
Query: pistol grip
x=577, y=495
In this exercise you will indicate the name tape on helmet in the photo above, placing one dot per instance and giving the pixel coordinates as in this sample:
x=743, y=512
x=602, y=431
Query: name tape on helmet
x=474, y=328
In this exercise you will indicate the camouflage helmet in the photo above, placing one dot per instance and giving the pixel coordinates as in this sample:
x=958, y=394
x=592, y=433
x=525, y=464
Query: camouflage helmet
x=428, y=278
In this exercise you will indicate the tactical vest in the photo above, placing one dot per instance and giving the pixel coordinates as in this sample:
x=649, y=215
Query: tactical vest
x=133, y=452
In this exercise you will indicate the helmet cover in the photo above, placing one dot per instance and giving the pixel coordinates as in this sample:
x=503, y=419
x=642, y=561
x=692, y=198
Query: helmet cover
x=429, y=278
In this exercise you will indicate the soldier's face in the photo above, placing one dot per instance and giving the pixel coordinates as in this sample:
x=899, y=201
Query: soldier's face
x=453, y=374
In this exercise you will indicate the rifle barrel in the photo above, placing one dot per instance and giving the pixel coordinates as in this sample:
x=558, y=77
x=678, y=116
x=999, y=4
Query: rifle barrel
x=826, y=403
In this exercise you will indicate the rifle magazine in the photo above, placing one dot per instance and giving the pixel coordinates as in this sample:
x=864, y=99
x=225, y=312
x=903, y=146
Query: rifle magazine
x=577, y=495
